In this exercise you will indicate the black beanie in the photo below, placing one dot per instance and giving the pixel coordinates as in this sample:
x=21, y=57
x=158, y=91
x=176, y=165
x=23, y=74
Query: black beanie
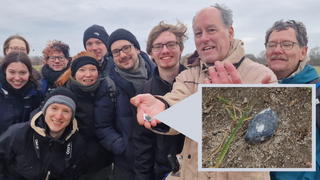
x=61, y=95
x=81, y=61
x=95, y=31
x=120, y=34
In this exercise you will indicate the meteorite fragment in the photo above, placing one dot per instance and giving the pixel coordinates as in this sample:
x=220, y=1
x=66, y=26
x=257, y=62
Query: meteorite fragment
x=262, y=126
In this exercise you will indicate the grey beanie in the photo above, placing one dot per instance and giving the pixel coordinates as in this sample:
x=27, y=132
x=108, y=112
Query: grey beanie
x=61, y=95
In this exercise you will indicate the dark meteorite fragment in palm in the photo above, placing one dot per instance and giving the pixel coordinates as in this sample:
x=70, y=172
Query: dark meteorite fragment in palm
x=262, y=126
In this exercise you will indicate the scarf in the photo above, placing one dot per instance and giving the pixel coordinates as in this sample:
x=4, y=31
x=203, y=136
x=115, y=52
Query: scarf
x=50, y=75
x=19, y=93
x=90, y=88
x=138, y=78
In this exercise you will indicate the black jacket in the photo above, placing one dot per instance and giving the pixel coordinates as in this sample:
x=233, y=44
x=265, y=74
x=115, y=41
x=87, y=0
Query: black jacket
x=28, y=152
x=14, y=109
x=113, y=122
x=151, y=149
x=97, y=157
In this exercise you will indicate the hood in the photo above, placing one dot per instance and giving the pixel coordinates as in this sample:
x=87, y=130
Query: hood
x=39, y=128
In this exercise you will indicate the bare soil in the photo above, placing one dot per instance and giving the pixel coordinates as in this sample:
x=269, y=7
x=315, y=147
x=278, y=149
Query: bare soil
x=291, y=144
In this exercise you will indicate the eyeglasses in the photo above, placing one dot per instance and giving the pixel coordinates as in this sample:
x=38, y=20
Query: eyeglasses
x=125, y=49
x=53, y=58
x=285, y=45
x=15, y=48
x=159, y=47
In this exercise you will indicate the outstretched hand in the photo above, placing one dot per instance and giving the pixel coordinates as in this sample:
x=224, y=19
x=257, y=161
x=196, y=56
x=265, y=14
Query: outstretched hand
x=149, y=105
x=223, y=74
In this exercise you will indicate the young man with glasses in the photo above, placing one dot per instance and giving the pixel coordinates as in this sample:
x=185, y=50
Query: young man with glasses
x=165, y=45
x=56, y=62
x=129, y=70
x=286, y=45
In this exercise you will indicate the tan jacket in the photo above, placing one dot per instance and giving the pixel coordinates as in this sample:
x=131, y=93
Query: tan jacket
x=187, y=84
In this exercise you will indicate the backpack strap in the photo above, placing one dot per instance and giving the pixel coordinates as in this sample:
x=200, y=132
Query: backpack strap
x=317, y=82
x=112, y=90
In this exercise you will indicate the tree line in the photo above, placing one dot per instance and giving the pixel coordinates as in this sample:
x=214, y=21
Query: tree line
x=313, y=53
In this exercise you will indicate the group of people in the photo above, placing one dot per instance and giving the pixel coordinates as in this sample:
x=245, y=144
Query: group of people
x=82, y=117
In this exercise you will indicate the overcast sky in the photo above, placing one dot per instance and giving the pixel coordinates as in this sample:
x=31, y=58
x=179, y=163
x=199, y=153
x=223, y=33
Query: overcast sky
x=66, y=20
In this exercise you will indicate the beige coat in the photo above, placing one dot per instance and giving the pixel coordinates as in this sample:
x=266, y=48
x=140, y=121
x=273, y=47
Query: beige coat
x=187, y=84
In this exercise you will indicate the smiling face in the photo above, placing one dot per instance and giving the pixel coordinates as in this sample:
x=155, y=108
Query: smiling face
x=211, y=38
x=166, y=58
x=87, y=74
x=128, y=61
x=97, y=47
x=284, y=62
x=58, y=65
x=17, y=74
x=57, y=117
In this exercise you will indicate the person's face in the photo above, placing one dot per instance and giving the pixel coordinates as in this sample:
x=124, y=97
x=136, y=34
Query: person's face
x=97, y=47
x=129, y=60
x=17, y=74
x=57, y=64
x=16, y=45
x=285, y=62
x=87, y=74
x=58, y=117
x=166, y=58
x=211, y=38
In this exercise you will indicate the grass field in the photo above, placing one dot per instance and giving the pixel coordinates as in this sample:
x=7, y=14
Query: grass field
x=317, y=68
x=38, y=67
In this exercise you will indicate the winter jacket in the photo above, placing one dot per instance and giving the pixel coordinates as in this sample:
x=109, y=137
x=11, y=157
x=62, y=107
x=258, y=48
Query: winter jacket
x=27, y=151
x=303, y=75
x=151, y=149
x=97, y=157
x=16, y=110
x=113, y=122
x=186, y=84
x=105, y=69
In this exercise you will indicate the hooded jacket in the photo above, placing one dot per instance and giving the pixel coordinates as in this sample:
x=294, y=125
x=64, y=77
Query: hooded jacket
x=303, y=75
x=186, y=84
x=16, y=110
x=113, y=122
x=27, y=151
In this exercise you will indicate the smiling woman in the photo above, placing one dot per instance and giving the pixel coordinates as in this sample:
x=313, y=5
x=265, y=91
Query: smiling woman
x=82, y=78
x=18, y=90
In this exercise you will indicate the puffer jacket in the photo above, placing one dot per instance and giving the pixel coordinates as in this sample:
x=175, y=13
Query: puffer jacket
x=186, y=84
x=97, y=157
x=113, y=122
x=28, y=152
x=16, y=110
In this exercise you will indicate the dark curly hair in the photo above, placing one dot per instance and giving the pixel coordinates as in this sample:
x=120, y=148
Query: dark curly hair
x=53, y=46
x=299, y=28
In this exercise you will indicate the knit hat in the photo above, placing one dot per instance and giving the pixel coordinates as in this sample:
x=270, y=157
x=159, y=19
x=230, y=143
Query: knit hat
x=60, y=95
x=95, y=31
x=81, y=61
x=120, y=34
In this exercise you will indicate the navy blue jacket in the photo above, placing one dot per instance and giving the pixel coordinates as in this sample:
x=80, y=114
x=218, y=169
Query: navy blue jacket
x=151, y=149
x=113, y=122
x=16, y=110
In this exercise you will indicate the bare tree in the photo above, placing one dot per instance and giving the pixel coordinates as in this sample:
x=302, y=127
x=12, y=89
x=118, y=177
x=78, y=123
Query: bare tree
x=252, y=57
x=261, y=57
x=314, y=55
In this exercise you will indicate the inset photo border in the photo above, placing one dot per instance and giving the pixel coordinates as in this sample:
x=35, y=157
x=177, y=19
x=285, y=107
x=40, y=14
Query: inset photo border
x=227, y=111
